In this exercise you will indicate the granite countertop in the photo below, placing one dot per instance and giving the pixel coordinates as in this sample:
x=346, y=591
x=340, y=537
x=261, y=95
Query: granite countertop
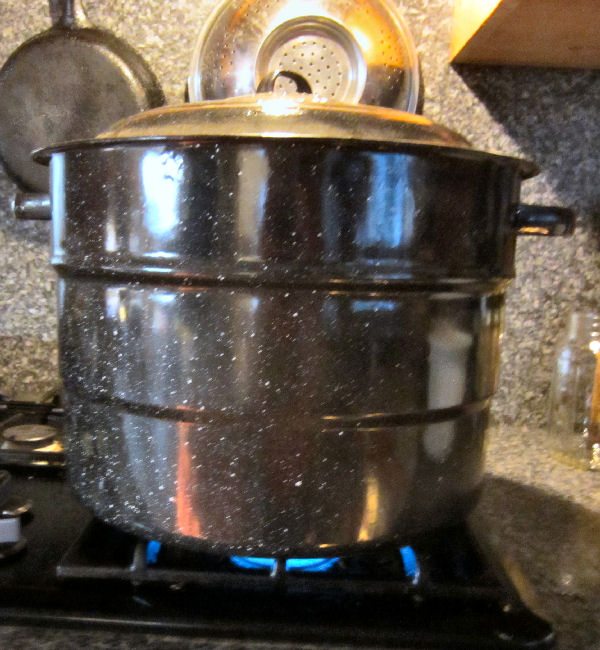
x=541, y=516
x=545, y=516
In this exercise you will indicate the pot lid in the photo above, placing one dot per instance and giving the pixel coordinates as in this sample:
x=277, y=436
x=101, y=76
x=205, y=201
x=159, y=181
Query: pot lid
x=298, y=116
x=294, y=115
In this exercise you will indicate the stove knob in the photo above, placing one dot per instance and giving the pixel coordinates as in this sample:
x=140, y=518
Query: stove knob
x=11, y=540
x=10, y=530
x=11, y=508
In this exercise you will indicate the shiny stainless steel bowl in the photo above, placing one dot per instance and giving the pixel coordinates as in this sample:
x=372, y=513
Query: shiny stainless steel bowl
x=355, y=51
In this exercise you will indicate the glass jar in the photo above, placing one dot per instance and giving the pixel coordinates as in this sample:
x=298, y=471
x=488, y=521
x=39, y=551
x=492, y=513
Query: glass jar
x=574, y=409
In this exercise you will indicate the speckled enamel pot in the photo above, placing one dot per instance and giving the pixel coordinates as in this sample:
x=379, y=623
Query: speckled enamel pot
x=279, y=334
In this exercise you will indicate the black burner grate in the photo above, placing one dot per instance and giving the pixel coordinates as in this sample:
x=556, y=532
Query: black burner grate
x=368, y=598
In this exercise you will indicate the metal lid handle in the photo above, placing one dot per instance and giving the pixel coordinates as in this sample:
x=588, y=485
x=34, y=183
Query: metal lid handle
x=267, y=84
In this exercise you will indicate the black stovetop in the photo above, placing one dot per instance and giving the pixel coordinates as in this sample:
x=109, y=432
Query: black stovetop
x=77, y=571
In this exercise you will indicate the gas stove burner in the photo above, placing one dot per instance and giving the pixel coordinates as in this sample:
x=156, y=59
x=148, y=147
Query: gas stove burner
x=31, y=434
x=309, y=565
x=319, y=564
x=36, y=435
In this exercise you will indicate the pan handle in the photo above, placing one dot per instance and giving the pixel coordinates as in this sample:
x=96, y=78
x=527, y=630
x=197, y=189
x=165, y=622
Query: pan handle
x=32, y=206
x=68, y=14
x=543, y=220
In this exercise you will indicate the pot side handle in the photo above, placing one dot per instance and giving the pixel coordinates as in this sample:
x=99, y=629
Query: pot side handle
x=27, y=205
x=543, y=220
x=527, y=219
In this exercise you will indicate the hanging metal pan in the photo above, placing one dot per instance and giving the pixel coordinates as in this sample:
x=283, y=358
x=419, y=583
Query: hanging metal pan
x=71, y=81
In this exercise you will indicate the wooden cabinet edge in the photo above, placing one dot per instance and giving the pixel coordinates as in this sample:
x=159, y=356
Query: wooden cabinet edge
x=492, y=32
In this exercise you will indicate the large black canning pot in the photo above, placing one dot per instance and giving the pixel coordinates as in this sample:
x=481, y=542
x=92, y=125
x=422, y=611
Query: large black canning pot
x=280, y=319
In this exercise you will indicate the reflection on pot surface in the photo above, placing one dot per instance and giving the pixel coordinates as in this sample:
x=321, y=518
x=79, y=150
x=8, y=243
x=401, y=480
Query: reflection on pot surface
x=283, y=419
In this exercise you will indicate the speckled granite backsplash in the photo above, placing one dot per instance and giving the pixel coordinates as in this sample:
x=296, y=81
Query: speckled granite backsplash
x=551, y=116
